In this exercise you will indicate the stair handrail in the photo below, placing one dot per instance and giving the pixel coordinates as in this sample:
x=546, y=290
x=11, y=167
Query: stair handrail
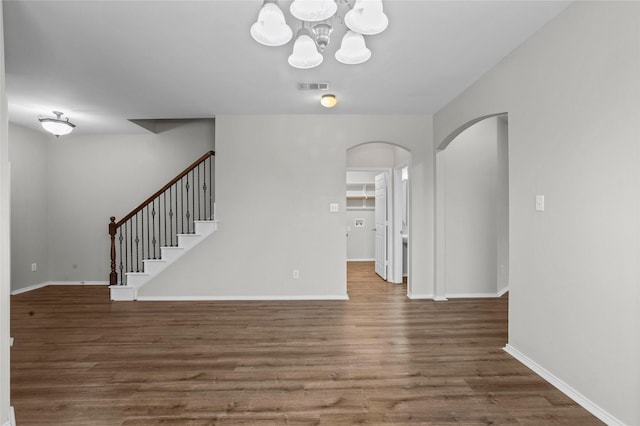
x=114, y=226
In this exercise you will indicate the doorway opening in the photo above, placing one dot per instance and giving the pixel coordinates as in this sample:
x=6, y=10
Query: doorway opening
x=472, y=211
x=377, y=225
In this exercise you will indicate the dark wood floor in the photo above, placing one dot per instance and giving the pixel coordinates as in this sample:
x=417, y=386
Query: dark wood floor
x=79, y=359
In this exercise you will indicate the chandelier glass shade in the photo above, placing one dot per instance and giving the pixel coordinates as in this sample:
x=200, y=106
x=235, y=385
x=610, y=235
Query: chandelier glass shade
x=57, y=126
x=313, y=10
x=305, y=52
x=271, y=29
x=367, y=17
x=353, y=49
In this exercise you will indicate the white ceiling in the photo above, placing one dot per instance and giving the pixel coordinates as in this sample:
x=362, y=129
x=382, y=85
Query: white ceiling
x=103, y=62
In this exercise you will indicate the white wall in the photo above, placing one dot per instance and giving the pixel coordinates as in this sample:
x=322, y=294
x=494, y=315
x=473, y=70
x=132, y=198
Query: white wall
x=5, y=244
x=361, y=240
x=275, y=179
x=470, y=188
x=29, y=217
x=502, y=206
x=572, y=93
x=87, y=179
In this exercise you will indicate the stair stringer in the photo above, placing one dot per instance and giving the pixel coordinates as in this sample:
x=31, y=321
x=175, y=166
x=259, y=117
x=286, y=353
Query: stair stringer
x=168, y=255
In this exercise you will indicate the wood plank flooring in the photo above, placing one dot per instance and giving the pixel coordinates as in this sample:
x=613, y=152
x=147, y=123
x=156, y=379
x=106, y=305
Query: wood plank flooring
x=378, y=358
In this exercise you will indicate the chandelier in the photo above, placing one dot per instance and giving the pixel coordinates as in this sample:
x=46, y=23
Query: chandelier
x=363, y=18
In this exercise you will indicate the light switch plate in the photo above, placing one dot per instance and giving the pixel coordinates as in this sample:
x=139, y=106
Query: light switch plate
x=334, y=208
x=540, y=203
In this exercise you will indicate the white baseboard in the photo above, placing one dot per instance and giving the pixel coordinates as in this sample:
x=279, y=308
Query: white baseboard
x=239, y=298
x=29, y=288
x=12, y=418
x=503, y=291
x=580, y=399
x=419, y=296
x=361, y=260
x=48, y=283
x=471, y=295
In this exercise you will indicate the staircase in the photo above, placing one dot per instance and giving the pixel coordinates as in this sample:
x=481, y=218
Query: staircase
x=162, y=229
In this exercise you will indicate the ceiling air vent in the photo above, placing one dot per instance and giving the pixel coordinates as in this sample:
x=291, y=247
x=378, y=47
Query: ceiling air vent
x=313, y=86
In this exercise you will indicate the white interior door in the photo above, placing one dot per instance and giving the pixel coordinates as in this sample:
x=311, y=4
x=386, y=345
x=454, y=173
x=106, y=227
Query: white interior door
x=381, y=225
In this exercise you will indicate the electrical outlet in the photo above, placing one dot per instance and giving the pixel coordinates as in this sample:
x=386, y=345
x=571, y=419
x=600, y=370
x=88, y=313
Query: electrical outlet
x=295, y=274
x=34, y=267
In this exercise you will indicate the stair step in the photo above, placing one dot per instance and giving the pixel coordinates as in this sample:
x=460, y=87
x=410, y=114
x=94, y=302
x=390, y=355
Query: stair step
x=205, y=227
x=122, y=293
x=153, y=266
x=188, y=241
x=171, y=253
x=135, y=279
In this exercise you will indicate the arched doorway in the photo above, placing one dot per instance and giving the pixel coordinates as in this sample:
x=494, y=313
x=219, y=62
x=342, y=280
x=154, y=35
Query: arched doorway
x=472, y=210
x=378, y=202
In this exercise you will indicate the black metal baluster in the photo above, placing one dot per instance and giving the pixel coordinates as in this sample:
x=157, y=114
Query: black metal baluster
x=204, y=190
x=198, y=189
x=137, y=246
x=187, y=214
x=126, y=248
x=211, y=212
x=170, y=217
x=182, y=206
x=176, y=214
x=193, y=200
x=143, y=239
x=153, y=227
x=164, y=200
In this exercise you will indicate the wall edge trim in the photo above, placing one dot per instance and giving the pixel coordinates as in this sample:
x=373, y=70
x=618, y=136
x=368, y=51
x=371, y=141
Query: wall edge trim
x=419, y=296
x=48, y=283
x=471, y=295
x=240, y=298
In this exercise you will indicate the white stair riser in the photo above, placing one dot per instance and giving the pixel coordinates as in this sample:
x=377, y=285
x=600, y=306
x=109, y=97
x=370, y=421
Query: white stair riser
x=153, y=267
x=188, y=241
x=136, y=279
x=171, y=253
x=205, y=228
x=122, y=293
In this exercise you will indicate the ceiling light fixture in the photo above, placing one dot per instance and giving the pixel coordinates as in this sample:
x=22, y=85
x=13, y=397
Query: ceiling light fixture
x=57, y=126
x=328, y=101
x=353, y=50
x=305, y=54
x=313, y=10
x=271, y=29
x=367, y=17
x=363, y=17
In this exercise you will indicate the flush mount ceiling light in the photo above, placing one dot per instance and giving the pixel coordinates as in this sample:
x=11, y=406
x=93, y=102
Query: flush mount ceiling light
x=328, y=101
x=361, y=17
x=57, y=126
